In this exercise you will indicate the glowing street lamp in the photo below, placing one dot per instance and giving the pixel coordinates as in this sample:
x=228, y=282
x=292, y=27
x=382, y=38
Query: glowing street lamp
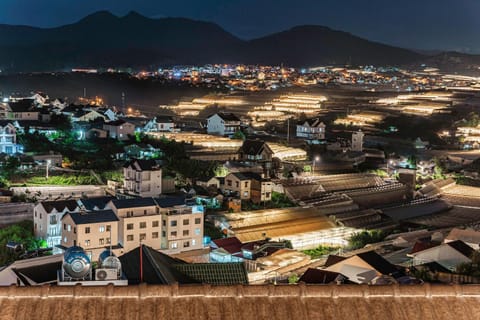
x=316, y=159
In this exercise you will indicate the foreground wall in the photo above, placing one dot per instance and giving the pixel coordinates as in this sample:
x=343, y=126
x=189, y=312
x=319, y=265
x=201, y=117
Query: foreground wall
x=241, y=302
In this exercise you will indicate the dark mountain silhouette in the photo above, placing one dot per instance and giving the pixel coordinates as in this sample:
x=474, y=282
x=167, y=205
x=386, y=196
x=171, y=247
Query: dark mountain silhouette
x=104, y=40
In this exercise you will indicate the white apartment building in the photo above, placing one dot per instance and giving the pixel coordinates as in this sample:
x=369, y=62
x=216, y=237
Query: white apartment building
x=8, y=138
x=312, y=129
x=224, y=124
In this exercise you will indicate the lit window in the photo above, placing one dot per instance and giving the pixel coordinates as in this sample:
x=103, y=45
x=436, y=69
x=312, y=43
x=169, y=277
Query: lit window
x=101, y=229
x=197, y=231
x=107, y=240
x=69, y=228
x=87, y=243
x=194, y=242
x=173, y=245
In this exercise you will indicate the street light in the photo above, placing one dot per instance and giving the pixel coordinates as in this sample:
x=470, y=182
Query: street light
x=317, y=158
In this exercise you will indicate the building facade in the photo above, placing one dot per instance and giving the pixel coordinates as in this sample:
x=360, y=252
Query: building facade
x=224, y=124
x=312, y=129
x=142, y=178
x=8, y=138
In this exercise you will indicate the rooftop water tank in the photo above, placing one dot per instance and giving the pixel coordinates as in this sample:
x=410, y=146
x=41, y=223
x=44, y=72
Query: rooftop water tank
x=109, y=261
x=76, y=263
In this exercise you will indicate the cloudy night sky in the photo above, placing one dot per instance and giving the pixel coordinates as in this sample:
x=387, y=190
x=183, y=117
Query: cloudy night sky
x=422, y=24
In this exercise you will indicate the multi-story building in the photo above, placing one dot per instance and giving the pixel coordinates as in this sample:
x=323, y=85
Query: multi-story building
x=8, y=138
x=94, y=231
x=142, y=178
x=119, y=129
x=224, y=124
x=312, y=129
x=139, y=222
x=161, y=124
x=239, y=185
x=22, y=110
x=182, y=228
x=47, y=224
x=357, y=141
x=255, y=151
x=249, y=186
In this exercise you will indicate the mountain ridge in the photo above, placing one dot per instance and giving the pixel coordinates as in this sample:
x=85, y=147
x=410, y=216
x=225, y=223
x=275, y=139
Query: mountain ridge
x=103, y=39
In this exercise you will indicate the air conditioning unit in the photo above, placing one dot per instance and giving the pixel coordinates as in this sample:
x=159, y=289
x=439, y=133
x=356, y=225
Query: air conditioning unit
x=105, y=274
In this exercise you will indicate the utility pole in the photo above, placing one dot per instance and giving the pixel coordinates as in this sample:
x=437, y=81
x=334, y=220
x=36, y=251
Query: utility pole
x=288, y=131
x=48, y=164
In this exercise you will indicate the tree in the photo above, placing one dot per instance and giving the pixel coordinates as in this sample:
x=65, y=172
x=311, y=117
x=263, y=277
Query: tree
x=361, y=239
x=238, y=135
x=22, y=233
x=293, y=278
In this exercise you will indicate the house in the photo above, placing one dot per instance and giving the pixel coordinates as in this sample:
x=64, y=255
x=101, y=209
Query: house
x=22, y=110
x=142, y=178
x=208, y=182
x=161, y=124
x=47, y=223
x=224, y=124
x=312, y=129
x=449, y=255
x=92, y=230
x=468, y=236
x=239, y=185
x=87, y=115
x=119, y=129
x=8, y=138
x=255, y=151
x=139, y=221
x=248, y=186
x=362, y=268
x=108, y=114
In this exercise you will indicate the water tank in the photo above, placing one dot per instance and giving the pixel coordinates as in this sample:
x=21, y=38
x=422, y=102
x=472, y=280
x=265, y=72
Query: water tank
x=76, y=263
x=108, y=260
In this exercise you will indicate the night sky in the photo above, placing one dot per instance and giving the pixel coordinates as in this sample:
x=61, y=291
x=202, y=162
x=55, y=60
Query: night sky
x=422, y=24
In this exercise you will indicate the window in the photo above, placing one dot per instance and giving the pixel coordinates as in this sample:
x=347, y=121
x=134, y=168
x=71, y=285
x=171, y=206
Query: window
x=87, y=243
x=173, y=223
x=186, y=222
x=154, y=235
x=155, y=224
x=143, y=225
x=40, y=216
x=53, y=219
x=229, y=183
x=35, y=213
x=87, y=229
x=246, y=184
x=173, y=245
x=173, y=233
x=145, y=212
x=245, y=194
x=164, y=223
x=101, y=229
x=64, y=226
x=198, y=220
x=130, y=226
x=64, y=239
x=197, y=231
x=194, y=242
x=107, y=240
x=101, y=241
x=143, y=236
x=185, y=233
x=130, y=237
x=237, y=184
x=164, y=234
x=109, y=228
x=186, y=244
x=74, y=229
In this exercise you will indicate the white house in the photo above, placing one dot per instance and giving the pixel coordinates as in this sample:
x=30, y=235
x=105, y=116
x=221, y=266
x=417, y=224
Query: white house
x=47, y=224
x=8, y=138
x=119, y=129
x=449, y=255
x=312, y=129
x=142, y=178
x=224, y=124
x=160, y=124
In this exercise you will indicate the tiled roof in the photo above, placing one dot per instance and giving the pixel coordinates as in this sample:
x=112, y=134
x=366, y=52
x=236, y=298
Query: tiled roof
x=59, y=205
x=93, y=216
x=170, y=201
x=216, y=273
x=461, y=247
x=133, y=203
x=226, y=116
x=254, y=147
x=319, y=276
x=379, y=263
x=333, y=259
x=393, y=302
x=25, y=105
x=143, y=164
x=99, y=202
